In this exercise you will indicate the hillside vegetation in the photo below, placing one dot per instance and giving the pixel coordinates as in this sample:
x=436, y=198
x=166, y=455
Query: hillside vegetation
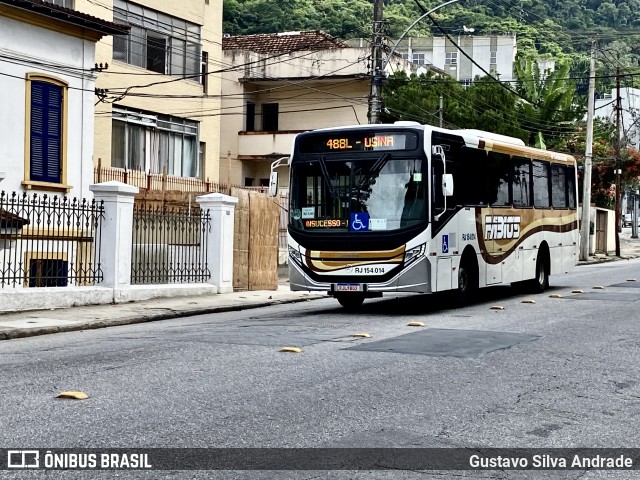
x=543, y=27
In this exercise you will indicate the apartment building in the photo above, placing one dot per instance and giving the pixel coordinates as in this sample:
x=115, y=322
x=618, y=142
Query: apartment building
x=494, y=53
x=605, y=108
x=158, y=104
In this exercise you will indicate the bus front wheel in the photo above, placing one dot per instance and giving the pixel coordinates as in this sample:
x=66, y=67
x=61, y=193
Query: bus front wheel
x=467, y=283
x=350, y=301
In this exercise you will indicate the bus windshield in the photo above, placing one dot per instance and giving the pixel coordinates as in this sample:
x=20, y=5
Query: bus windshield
x=377, y=194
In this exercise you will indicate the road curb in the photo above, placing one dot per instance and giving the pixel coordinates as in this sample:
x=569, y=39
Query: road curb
x=596, y=261
x=14, y=333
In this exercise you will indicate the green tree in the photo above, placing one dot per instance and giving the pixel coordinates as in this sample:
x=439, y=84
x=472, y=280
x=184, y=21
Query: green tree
x=548, y=101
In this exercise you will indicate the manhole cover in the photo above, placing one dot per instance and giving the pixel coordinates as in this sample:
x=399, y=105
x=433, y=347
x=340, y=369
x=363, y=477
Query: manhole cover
x=437, y=342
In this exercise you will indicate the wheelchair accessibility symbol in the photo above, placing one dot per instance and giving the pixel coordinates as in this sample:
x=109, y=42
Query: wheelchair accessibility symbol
x=445, y=243
x=358, y=222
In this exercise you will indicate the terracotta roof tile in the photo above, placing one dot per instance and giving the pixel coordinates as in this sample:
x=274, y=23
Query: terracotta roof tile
x=11, y=220
x=283, y=42
x=70, y=16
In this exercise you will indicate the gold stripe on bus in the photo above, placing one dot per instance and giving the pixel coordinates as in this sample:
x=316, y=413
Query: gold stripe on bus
x=357, y=256
x=531, y=221
x=523, y=151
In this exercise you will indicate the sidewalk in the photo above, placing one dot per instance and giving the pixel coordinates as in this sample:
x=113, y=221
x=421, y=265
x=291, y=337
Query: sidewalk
x=629, y=248
x=42, y=322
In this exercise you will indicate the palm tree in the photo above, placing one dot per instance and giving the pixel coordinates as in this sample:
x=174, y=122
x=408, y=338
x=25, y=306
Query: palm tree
x=548, y=100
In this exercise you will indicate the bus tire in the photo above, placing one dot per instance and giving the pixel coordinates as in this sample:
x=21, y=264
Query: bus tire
x=467, y=280
x=350, y=301
x=541, y=281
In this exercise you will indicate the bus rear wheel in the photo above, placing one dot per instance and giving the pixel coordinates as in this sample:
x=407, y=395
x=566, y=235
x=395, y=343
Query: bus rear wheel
x=350, y=301
x=541, y=281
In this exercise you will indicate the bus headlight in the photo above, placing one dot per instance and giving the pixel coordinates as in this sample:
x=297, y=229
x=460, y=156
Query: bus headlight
x=294, y=254
x=413, y=254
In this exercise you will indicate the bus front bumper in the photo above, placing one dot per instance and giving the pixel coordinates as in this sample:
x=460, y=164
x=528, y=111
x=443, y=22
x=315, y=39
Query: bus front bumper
x=415, y=278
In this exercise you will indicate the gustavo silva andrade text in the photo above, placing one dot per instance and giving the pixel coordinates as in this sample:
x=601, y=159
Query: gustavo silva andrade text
x=551, y=462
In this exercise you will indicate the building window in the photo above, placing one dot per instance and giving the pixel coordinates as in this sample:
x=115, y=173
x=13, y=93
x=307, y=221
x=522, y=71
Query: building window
x=44, y=272
x=155, y=143
x=248, y=182
x=63, y=3
x=45, y=151
x=251, y=117
x=493, y=59
x=205, y=72
x=404, y=56
x=451, y=58
x=419, y=58
x=157, y=42
x=202, y=155
x=270, y=117
x=466, y=82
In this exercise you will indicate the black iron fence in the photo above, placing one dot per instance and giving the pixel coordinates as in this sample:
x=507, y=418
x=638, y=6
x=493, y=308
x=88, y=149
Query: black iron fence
x=169, y=245
x=49, y=241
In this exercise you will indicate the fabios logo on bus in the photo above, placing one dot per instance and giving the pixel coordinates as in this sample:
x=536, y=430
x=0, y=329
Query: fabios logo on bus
x=500, y=227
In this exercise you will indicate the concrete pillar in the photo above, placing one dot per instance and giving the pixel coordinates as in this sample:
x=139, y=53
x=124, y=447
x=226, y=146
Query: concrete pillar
x=117, y=225
x=220, y=242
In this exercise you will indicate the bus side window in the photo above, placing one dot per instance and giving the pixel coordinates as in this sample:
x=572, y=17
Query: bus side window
x=498, y=179
x=470, y=177
x=521, y=182
x=540, y=184
x=558, y=186
x=571, y=186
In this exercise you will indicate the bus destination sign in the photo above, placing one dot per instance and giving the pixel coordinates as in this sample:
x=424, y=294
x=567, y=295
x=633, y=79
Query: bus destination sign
x=357, y=141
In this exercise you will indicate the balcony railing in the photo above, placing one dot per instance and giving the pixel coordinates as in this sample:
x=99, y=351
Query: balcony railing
x=161, y=181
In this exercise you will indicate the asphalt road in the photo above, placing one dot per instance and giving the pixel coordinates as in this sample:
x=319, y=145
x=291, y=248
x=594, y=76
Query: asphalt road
x=560, y=372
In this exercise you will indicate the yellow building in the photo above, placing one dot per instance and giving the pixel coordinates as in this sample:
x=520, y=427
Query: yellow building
x=158, y=99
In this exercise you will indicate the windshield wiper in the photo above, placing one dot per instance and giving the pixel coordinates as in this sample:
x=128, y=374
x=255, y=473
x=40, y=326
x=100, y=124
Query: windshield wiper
x=376, y=168
x=325, y=175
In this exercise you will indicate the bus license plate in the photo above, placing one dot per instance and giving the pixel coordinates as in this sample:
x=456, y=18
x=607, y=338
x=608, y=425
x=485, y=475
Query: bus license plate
x=348, y=287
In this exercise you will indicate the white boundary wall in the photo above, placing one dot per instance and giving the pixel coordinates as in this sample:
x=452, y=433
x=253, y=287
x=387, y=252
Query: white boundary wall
x=115, y=258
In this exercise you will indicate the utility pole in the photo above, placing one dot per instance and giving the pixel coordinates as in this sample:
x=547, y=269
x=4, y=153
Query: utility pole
x=441, y=111
x=375, y=97
x=634, y=213
x=586, y=181
x=618, y=162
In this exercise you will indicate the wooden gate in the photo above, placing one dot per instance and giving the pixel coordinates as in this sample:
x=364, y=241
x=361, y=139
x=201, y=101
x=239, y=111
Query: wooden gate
x=601, y=232
x=255, y=247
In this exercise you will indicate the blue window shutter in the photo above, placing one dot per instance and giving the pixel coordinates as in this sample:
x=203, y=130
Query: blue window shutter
x=46, y=132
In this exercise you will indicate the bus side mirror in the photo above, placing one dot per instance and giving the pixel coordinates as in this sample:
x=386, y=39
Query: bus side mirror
x=447, y=185
x=273, y=184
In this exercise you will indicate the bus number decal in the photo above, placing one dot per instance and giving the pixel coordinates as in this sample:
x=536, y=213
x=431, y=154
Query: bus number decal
x=368, y=270
x=468, y=237
x=500, y=227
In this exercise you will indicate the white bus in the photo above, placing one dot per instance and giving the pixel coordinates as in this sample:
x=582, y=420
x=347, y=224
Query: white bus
x=414, y=208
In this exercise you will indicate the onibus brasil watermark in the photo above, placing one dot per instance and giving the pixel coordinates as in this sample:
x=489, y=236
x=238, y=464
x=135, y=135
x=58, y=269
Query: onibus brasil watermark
x=35, y=459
